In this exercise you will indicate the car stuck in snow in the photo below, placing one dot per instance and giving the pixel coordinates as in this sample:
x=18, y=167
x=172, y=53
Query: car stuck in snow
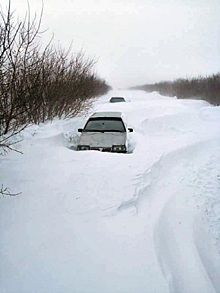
x=106, y=132
x=117, y=100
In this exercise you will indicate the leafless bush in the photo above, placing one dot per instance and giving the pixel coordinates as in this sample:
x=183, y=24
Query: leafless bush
x=4, y=191
x=35, y=84
x=206, y=88
x=39, y=84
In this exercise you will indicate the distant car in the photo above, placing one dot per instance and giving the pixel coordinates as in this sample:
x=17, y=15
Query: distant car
x=117, y=99
x=106, y=132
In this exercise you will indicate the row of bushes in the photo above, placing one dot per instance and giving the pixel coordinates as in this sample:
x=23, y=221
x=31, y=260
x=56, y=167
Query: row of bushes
x=206, y=88
x=39, y=84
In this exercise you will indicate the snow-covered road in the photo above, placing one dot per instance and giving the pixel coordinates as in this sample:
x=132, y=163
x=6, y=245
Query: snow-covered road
x=99, y=222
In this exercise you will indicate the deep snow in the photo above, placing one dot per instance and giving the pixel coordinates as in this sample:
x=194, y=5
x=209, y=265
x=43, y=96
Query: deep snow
x=97, y=222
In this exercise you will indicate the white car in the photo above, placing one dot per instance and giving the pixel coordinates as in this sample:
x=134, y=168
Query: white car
x=106, y=132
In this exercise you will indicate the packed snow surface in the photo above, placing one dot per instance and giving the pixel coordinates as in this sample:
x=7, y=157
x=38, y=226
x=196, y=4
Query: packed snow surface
x=146, y=221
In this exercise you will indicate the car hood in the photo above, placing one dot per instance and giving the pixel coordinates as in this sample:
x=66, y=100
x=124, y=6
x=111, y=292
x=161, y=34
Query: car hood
x=100, y=139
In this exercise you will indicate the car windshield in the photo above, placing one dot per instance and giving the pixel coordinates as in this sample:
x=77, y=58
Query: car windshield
x=104, y=124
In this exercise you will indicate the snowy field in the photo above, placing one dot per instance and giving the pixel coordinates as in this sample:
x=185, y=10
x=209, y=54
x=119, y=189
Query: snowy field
x=93, y=222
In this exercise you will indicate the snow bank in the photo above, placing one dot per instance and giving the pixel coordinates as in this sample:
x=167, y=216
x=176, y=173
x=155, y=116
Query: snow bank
x=102, y=222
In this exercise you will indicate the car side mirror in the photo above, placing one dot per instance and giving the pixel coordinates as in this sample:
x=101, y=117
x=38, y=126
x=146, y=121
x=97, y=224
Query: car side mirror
x=80, y=130
x=130, y=129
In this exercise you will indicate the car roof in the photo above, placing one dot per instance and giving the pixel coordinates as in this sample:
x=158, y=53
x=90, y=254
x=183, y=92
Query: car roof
x=107, y=114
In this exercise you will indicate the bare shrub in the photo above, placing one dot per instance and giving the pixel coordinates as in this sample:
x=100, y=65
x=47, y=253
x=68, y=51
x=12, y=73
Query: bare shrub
x=5, y=191
x=35, y=84
x=206, y=88
x=39, y=84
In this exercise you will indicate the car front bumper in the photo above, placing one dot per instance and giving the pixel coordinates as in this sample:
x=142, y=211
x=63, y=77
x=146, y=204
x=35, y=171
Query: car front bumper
x=113, y=149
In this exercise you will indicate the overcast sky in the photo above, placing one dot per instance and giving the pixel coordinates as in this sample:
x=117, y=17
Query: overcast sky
x=136, y=41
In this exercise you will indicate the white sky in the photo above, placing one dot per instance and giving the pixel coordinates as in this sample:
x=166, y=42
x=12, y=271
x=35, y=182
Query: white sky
x=136, y=41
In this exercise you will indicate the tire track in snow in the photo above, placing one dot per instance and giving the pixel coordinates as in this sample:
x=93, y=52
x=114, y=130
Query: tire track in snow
x=167, y=185
x=166, y=193
x=177, y=252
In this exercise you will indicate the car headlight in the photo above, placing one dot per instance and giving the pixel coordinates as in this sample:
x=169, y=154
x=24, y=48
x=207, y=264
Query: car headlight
x=83, y=147
x=118, y=148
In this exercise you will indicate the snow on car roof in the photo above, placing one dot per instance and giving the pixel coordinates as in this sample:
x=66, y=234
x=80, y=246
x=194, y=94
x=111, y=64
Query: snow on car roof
x=107, y=114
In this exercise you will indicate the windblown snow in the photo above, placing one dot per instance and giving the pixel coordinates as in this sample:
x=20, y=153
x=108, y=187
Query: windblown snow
x=147, y=221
